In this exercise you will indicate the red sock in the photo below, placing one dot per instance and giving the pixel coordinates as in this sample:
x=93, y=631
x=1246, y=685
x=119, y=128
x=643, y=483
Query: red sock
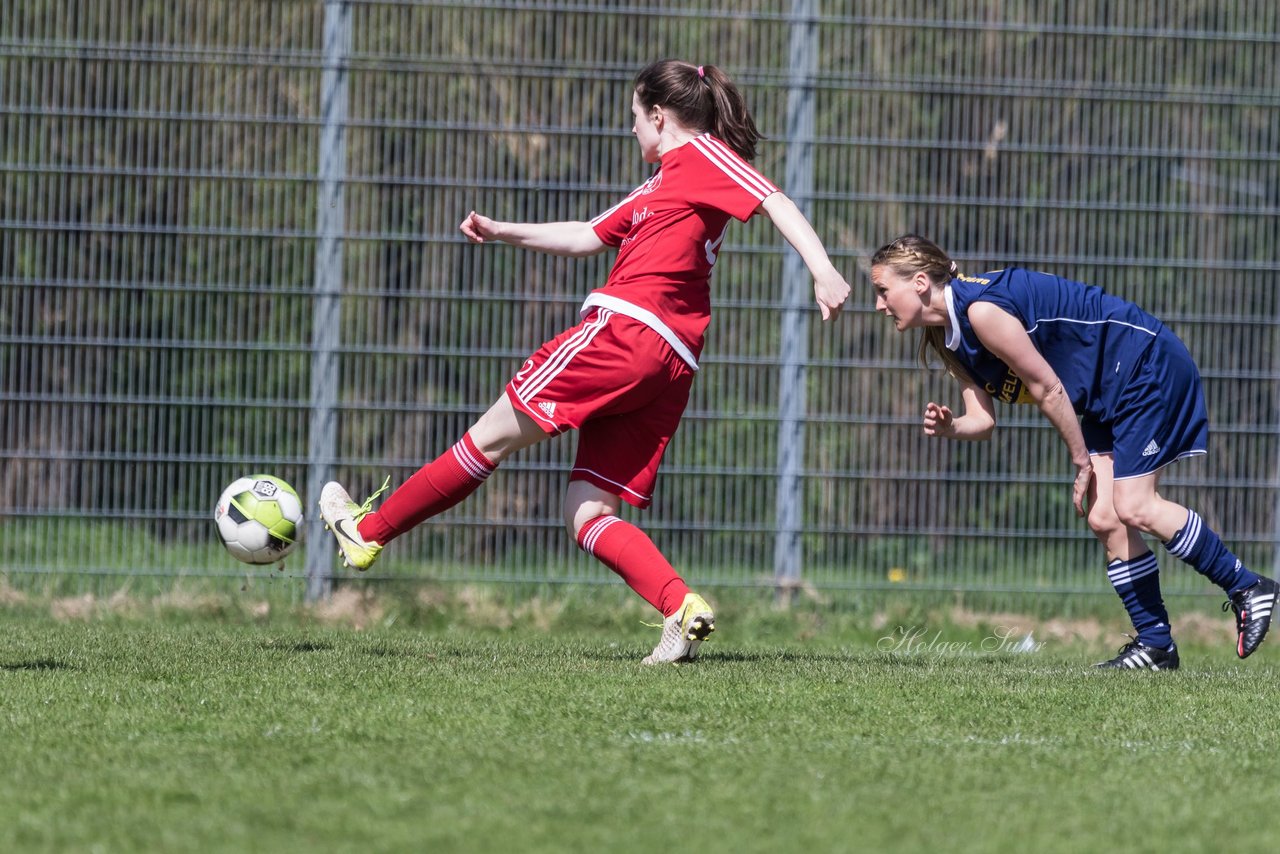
x=626, y=550
x=433, y=489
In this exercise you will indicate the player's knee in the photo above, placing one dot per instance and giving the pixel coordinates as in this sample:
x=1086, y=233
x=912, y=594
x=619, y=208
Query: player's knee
x=501, y=431
x=1103, y=520
x=1134, y=513
x=579, y=513
x=583, y=502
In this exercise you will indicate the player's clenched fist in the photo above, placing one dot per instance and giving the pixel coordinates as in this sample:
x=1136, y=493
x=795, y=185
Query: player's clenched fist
x=477, y=228
x=938, y=420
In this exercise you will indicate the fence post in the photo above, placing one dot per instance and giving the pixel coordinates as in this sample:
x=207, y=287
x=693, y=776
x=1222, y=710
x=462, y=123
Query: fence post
x=330, y=222
x=1275, y=523
x=787, y=554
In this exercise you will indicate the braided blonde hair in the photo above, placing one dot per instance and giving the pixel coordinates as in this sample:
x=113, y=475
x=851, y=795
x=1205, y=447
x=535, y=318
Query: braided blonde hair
x=911, y=254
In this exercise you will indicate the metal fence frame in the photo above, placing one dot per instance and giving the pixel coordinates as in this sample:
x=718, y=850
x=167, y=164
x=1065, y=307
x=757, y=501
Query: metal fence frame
x=349, y=75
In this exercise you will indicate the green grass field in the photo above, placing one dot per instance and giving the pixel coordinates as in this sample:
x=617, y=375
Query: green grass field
x=203, y=729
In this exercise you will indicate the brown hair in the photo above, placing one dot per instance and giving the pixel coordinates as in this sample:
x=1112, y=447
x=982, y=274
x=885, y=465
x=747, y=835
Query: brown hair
x=911, y=254
x=701, y=97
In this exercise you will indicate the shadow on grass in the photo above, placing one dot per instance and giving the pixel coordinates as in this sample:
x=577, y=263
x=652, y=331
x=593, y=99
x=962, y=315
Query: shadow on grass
x=297, y=646
x=710, y=658
x=765, y=656
x=863, y=657
x=388, y=652
x=38, y=664
x=430, y=654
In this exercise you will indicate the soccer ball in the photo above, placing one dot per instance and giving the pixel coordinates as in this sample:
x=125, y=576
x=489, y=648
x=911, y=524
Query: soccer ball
x=259, y=518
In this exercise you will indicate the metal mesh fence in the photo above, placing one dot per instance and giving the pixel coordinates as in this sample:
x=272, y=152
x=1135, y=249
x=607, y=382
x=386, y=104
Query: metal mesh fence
x=228, y=243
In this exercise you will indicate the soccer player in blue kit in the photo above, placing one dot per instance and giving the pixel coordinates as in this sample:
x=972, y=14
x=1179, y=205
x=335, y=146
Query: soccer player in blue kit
x=1119, y=387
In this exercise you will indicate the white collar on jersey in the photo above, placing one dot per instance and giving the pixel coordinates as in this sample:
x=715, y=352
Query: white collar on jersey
x=953, y=334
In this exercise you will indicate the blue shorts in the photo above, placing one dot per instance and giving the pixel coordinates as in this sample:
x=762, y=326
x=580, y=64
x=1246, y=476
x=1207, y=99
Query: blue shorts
x=1160, y=416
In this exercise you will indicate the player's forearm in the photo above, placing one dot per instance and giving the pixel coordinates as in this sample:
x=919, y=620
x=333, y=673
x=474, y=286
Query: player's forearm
x=1056, y=406
x=791, y=223
x=830, y=290
x=555, y=238
x=970, y=428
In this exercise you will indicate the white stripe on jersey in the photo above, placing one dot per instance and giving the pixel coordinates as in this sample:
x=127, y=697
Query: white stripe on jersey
x=560, y=358
x=589, y=541
x=1092, y=323
x=734, y=166
x=637, y=191
x=724, y=156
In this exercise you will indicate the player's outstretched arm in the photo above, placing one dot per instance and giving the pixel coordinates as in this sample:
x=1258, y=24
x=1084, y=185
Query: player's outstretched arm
x=575, y=239
x=830, y=290
x=976, y=424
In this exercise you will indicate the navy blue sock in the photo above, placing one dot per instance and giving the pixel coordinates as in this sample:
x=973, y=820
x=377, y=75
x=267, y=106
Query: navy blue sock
x=1137, y=582
x=1199, y=546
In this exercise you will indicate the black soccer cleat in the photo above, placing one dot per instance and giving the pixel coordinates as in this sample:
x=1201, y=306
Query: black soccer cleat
x=1253, y=607
x=1138, y=656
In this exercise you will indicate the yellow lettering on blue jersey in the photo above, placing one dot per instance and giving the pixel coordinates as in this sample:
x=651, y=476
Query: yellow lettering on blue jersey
x=973, y=279
x=1011, y=390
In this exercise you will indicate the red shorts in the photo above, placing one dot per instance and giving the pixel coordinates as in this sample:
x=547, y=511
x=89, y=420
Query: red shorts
x=621, y=386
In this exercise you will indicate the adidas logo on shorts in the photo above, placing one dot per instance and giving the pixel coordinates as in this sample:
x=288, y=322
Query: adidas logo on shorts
x=1151, y=448
x=548, y=408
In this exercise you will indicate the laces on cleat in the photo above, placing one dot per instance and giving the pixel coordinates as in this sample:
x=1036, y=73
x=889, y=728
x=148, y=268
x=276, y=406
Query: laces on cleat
x=341, y=517
x=367, y=507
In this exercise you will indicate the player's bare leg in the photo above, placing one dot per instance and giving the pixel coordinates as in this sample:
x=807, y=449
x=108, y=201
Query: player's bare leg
x=1134, y=573
x=503, y=430
x=1120, y=540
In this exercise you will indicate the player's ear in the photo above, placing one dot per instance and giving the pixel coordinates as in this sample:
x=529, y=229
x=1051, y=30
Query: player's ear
x=922, y=282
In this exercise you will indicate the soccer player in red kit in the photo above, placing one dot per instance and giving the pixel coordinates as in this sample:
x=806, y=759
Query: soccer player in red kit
x=621, y=377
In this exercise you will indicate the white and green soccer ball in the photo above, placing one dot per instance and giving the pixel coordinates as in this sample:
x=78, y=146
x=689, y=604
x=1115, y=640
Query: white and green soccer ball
x=259, y=518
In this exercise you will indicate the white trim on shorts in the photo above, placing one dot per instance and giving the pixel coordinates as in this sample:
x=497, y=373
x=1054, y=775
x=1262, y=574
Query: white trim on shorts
x=559, y=359
x=622, y=486
x=643, y=315
x=1182, y=456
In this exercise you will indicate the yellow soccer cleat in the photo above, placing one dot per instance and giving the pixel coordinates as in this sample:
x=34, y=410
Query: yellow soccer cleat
x=683, y=632
x=341, y=516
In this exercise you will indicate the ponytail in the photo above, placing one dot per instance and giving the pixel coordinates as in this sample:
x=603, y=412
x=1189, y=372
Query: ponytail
x=702, y=98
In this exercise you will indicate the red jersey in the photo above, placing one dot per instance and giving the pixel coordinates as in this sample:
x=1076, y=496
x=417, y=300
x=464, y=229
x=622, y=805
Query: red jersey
x=669, y=231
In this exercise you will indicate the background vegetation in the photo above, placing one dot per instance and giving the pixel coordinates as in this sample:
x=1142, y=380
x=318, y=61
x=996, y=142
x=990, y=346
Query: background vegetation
x=158, y=244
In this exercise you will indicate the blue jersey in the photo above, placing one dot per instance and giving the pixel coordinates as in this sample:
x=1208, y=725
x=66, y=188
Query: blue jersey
x=1091, y=339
